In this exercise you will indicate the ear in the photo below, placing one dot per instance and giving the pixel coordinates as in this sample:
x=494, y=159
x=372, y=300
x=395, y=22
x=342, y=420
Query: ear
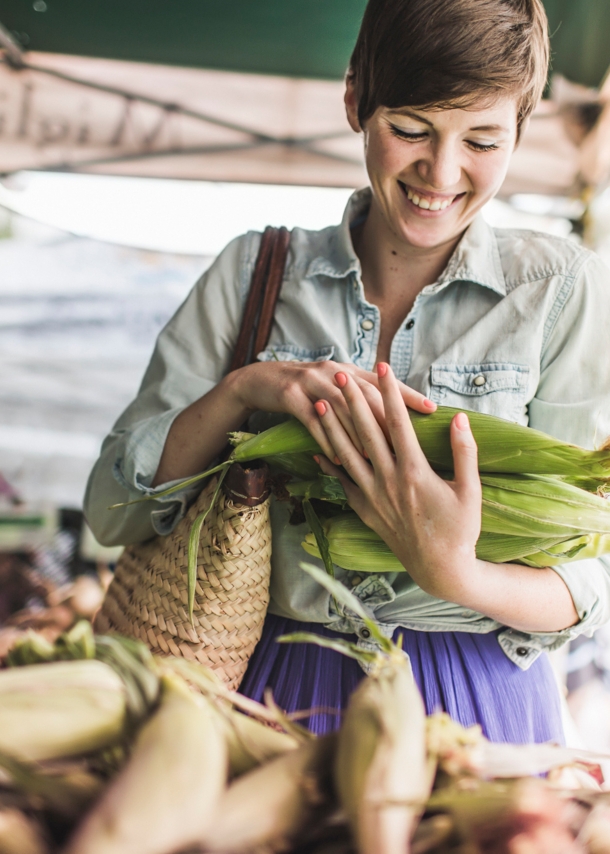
x=351, y=105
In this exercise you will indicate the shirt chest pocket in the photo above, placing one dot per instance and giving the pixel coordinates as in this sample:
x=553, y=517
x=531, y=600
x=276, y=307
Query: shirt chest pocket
x=290, y=353
x=491, y=387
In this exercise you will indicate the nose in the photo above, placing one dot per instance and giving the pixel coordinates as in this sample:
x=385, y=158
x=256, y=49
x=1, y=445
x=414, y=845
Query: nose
x=440, y=168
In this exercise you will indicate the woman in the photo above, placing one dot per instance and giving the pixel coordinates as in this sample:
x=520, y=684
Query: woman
x=412, y=300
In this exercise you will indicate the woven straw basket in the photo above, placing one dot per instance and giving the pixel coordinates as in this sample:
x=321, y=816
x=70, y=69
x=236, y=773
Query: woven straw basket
x=147, y=598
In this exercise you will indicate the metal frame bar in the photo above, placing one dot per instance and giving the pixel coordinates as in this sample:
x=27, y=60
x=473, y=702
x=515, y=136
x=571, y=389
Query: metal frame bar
x=15, y=58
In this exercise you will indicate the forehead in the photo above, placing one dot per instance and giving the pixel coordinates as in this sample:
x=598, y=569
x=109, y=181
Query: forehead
x=498, y=113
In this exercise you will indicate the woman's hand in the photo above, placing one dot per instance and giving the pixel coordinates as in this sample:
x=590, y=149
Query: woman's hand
x=294, y=388
x=431, y=524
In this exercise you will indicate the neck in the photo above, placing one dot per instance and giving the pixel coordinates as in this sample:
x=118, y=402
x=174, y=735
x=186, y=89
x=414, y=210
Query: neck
x=393, y=270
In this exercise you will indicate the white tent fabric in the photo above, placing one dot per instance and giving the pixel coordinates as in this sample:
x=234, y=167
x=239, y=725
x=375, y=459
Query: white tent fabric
x=74, y=113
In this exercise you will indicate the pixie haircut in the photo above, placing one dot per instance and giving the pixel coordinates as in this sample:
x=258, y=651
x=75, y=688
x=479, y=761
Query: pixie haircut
x=450, y=53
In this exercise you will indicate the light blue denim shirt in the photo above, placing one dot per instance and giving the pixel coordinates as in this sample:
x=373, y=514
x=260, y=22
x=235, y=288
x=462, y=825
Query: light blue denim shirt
x=518, y=325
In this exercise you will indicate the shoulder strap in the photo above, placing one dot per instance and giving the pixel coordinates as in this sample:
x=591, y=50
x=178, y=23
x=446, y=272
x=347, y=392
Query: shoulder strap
x=262, y=297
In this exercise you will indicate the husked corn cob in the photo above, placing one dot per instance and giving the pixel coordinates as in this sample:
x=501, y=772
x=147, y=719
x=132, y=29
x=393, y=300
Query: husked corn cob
x=251, y=743
x=266, y=808
x=383, y=772
x=165, y=797
x=60, y=709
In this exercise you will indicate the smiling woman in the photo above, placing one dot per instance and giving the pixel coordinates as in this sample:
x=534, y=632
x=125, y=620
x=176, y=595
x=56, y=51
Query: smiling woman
x=413, y=299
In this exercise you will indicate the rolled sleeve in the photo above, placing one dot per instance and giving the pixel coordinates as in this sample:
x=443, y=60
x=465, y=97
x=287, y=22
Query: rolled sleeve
x=192, y=354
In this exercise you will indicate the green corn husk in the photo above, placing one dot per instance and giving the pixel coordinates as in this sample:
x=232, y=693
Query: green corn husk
x=541, y=506
x=168, y=793
x=356, y=547
x=503, y=447
x=64, y=708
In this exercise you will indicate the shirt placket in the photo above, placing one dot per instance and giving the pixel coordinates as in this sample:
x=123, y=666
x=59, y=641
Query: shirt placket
x=401, y=352
x=369, y=327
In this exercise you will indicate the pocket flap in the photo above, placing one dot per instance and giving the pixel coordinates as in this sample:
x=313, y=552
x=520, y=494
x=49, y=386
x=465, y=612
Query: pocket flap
x=480, y=379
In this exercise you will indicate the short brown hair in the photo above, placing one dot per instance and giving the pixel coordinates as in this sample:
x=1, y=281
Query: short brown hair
x=448, y=53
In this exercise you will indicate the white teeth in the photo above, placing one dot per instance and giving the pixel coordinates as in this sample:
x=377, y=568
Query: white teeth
x=426, y=204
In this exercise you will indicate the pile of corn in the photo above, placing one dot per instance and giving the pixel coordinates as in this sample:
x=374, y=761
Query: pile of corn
x=105, y=750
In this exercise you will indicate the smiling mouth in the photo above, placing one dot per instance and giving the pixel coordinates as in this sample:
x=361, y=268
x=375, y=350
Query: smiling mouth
x=429, y=203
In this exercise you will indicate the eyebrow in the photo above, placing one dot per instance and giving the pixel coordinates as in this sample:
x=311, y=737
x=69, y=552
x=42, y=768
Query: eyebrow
x=406, y=112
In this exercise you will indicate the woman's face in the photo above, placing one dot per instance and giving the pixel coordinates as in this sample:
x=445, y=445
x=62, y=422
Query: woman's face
x=432, y=170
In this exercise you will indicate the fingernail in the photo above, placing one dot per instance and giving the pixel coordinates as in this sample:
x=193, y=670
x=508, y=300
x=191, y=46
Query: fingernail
x=337, y=461
x=364, y=454
x=461, y=421
x=382, y=369
x=316, y=459
x=320, y=407
x=429, y=404
x=341, y=379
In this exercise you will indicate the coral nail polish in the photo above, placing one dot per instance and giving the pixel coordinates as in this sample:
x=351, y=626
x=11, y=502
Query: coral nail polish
x=382, y=369
x=341, y=379
x=320, y=407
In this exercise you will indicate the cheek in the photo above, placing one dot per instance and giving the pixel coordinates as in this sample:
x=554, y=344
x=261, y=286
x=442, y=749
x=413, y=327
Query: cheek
x=489, y=170
x=386, y=154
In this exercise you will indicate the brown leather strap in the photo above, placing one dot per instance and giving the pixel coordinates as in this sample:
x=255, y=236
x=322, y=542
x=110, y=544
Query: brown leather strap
x=277, y=265
x=262, y=298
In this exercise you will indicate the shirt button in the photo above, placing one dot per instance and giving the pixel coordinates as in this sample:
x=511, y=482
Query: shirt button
x=367, y=325
x=410, y=324
x=365, y=633
x=522, y=651
x=355, y=581
x=479, y=380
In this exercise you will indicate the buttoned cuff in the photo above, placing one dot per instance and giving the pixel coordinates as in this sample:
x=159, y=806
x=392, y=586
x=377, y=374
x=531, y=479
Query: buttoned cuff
x=589, y=584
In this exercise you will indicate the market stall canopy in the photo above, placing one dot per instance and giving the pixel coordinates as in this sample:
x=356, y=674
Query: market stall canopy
x=229, y=90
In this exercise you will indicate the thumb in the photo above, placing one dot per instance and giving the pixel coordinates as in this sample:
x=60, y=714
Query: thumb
x=465, y=455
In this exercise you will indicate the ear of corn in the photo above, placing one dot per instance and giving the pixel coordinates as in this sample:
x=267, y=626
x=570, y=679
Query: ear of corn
x=382, y=771
x=503, y=446
x=251, y=743
x=168, y=793
x=60, y=709
x=266, y=808
x=19, y=834
x=541, y=507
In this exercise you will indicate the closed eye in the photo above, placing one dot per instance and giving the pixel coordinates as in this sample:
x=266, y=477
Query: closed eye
x=412, y=136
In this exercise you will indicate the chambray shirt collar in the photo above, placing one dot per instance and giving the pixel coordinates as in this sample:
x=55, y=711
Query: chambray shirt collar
x=476, y=258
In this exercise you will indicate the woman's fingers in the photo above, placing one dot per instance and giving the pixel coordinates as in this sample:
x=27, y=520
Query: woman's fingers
x=344, y=450
x=369, y=429
x=413, y=399
x=402, y=435
x=465, y=459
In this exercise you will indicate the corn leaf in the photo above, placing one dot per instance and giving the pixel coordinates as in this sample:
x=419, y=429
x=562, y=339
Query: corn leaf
x=318, y=532
x=348, y=600
x=193, y=547
x=351, y=650
x=188, y=481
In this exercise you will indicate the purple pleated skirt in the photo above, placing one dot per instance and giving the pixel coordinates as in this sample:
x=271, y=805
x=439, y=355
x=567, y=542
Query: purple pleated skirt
x=466, y=675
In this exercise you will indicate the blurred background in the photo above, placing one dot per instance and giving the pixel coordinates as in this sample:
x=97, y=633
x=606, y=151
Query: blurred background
x=136, y=139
